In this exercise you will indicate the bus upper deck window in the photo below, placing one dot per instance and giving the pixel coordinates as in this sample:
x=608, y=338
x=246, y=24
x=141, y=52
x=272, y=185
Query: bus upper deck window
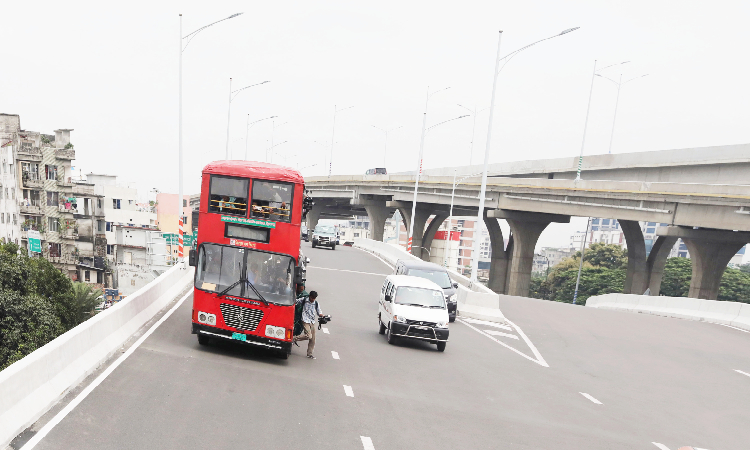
x=228, y=195
x=272, y=200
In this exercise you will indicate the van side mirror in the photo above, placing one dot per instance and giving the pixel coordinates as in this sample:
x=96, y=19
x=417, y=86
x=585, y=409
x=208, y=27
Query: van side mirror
x=192, y=256
x=387, y=298
x=455, y=285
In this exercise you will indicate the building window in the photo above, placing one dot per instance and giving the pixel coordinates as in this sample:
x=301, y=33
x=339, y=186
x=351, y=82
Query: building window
x=650, y=230
x=110, y=249
x=184, y=203
x=87, y=275
x=54, y=250
x=115, y=203
x=53, y=225
x=100, y=225
x=2, y=218
x=109, y=226
x=52, y=198
x=99, y=203
x=51, y=172
x=12, y=193
x=99, y=277
x=605, y=221
x=14, y=219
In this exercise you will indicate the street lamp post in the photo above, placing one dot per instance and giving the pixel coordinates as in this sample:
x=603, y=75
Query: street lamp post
x=229, y=106
x=482, y=191
x=450, y=212
x=269, y=150
x=250, y=125
x=333, y=135
x=269, y=157
x=385, y=150
x=419, y=171
x=580, y=264
x=474, y=113
x=619, y=84
x=588, y=108
x=189, y=38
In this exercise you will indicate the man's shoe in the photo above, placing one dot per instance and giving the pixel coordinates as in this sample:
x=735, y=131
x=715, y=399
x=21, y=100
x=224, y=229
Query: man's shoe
x=311, y=356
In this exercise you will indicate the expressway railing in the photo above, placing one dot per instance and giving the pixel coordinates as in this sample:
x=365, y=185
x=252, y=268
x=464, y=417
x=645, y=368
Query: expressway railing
x=32, y=385
x=734, y=314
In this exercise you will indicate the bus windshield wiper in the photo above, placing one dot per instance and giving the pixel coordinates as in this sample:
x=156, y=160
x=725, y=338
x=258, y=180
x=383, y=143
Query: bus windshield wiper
x=244, y=280
x=252, y=286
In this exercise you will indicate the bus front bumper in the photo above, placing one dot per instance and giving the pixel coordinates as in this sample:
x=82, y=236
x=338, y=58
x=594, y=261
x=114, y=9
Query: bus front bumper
x=250, y=339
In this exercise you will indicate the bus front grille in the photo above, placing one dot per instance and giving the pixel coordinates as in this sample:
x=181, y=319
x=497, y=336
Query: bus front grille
x=241, y=318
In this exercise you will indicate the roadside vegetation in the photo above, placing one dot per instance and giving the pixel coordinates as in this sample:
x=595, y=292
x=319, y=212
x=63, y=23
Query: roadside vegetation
x=604, y=270
x=37, y=303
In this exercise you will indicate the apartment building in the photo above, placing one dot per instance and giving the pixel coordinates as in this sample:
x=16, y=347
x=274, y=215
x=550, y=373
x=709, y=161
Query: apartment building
x=167, y=217
x=10, y=229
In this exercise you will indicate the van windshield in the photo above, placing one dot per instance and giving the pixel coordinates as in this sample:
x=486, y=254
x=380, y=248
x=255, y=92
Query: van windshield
x=426, y=298
x=438, y=277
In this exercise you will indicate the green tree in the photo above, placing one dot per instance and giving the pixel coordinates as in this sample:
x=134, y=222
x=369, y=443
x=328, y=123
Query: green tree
x=676, y=279
x=609, y=256
x=85, y=299
x=735, y=286
x=27, y=322
x=745, y=268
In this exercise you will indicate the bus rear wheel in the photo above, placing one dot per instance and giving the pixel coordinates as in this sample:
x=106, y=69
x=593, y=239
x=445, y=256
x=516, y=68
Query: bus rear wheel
x=283, y=355
x=202, y=339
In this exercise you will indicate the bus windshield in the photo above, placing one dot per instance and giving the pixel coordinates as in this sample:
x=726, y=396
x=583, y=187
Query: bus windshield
x=220, y=266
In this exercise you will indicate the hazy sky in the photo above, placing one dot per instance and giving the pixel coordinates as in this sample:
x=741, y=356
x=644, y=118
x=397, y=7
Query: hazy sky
x=110, y=73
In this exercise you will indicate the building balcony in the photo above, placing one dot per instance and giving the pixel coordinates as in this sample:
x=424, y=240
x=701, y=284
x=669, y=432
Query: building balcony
x=65, y=153
x=33, y=210
x=63, y=209
x=29, y=154
x=83, y=189
x=65, y=182
x=32, y=182
x=64, y=259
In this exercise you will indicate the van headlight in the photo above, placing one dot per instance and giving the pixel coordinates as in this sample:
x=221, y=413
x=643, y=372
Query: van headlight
x=400, y=319
x=442, y=324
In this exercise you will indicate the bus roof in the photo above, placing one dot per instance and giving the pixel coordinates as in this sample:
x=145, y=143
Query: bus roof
x=254, y=169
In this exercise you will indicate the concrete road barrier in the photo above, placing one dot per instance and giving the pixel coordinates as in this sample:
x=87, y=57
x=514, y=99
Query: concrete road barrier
x=474, y=299
x=31, y=386
x=735, y=314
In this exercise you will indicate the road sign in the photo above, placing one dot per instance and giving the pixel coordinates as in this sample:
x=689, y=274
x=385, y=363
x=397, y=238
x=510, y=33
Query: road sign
x=188, y=240
x=35, y=241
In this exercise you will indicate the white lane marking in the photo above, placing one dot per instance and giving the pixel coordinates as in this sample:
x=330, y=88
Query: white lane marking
x=660, y=446
x=590, y=398
x=348, y=391
x=373, y=254
x=743, y=373
x=351, y=271
x=488, y=323
x=500, y=333
x=729, y=326
x=335, y=354
x=539, y=359
x=325, y=330
x=367, y=443
x=86, y=391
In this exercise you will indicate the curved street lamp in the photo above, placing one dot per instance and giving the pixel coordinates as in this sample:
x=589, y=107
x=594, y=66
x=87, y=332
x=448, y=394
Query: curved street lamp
x=232, y=96
x=250, y=125
x=619, y=84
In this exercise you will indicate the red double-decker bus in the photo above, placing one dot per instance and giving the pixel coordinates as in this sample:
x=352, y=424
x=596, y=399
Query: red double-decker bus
x=247, y=254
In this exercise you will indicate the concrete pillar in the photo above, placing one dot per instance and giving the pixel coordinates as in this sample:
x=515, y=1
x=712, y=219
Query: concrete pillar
x=499, y=259
x=420, y=218
x=710, y=252
x=429, y=234
x=656, y=261
x=378, y=215
x=709, y=262
x=313, y=216
x=637, y=277
x=509, y=253
x=525, y=235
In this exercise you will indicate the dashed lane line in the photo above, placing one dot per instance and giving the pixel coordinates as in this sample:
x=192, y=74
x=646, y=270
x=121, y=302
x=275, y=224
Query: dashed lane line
x=660, y=446
x=348, y=391
x=335, y=354
x=500, y=333
x=590, y=398
x=367, y=443
x=743, y=373
x=325, y=330
x=346, y=270
x=88, y=389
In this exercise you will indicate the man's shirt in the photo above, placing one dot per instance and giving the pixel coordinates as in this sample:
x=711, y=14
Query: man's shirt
x=310, y=311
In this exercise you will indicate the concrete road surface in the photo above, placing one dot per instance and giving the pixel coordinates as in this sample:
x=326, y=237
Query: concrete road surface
x=614, y=380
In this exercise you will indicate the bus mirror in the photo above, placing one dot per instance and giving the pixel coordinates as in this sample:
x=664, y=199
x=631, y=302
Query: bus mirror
x=299, y=275
x=192, y=257
x=387, y=298
x=455, y=285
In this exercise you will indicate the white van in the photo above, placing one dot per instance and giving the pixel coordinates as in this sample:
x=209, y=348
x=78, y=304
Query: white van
x=413, y=308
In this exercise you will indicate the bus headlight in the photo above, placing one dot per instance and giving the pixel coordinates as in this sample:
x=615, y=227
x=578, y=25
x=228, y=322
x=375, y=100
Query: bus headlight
x=204, y=317
x=275, y=332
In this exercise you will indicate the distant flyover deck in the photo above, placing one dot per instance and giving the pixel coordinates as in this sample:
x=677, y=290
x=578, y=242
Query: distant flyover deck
x=712, y=219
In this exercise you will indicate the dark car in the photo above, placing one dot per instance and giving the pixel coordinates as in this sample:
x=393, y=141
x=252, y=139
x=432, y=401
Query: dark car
x=377, y=171
x=435, y=273
x=303, y=234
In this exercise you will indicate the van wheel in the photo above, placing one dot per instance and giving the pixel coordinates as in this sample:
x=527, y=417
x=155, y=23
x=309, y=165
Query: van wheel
x=441, y=346
x=333, y=247
x=382, y=327
x=314, y=244
x=452, y=319
x=390, y=337
x=202, y=339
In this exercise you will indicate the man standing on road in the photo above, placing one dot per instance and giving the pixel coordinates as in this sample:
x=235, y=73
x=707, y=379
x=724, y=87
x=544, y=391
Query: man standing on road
x=310, y=313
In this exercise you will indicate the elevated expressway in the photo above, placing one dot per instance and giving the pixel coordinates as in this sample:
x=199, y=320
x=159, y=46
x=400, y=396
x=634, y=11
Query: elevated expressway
x=713, y=219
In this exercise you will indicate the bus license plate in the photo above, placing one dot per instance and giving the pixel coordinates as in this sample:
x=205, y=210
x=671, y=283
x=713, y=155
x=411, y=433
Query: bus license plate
x=239, y=337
